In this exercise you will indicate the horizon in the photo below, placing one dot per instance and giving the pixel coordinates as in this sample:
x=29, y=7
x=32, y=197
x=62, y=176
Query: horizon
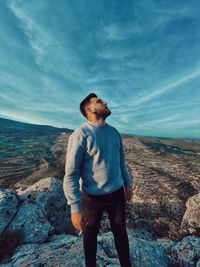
x=142, y=57
x=128, y=134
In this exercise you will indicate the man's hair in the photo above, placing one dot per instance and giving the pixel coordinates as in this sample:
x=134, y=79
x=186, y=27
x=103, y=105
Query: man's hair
x=84, y=103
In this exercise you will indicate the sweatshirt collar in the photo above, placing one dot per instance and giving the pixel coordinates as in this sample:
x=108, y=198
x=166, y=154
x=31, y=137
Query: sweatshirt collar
x=98, y=126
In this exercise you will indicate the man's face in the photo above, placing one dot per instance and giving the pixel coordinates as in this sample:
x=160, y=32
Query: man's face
x=99, y=107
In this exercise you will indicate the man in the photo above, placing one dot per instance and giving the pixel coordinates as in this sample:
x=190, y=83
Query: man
x=96, y=180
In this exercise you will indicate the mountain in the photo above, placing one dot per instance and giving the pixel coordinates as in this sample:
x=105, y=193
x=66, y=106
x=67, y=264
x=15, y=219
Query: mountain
x=6, y=124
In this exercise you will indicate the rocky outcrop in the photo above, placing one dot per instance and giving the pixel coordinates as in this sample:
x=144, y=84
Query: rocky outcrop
x=191, y=219
x=147, y=253
x=185, y=253
x=61, y=250
x=47, y=237
x=41, y=211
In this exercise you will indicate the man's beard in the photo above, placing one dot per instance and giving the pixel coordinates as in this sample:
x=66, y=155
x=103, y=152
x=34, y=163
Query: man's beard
x=104, y=114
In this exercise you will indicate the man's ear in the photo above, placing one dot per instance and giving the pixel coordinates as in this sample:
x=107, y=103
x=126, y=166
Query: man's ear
x=89, y=109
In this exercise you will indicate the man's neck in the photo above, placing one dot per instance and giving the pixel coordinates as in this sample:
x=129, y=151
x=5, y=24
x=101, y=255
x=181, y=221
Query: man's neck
x=100, y=122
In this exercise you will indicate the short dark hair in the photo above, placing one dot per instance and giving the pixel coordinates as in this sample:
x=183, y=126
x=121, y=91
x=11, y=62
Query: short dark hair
x=84, y=102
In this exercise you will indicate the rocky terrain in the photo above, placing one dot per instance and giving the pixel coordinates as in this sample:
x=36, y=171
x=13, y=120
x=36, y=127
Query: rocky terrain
x=36, y=230
x=166, y=176
x=163, y=218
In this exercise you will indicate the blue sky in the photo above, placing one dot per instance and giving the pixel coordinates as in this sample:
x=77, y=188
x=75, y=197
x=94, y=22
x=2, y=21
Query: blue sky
x=142, y=57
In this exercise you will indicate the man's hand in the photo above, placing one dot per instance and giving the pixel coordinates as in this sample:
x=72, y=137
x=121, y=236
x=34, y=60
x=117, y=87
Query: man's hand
x=78, y=221
x=128, y=193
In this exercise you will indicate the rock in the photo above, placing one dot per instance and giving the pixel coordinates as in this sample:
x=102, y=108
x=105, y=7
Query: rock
x=191, y=219
x=148, y=253
x=48, y=194
x=30, y=218
x=185, y=253
x=144, y=253
x=67, y=250
x=8, y=207
x=42, y=211
x=60, y=250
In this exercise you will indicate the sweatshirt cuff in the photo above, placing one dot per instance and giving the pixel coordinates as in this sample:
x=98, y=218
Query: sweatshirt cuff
x=128, y=183
x=76, y=207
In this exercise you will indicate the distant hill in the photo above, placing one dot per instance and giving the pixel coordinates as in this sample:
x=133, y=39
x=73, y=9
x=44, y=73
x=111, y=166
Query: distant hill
x=29, y=150
x=6, y=124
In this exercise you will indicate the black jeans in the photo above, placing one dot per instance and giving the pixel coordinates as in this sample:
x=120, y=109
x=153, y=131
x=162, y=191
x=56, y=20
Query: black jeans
x=93, y=208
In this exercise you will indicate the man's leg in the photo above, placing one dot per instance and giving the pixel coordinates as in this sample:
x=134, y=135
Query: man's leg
x=93, y=214
x=116, y=214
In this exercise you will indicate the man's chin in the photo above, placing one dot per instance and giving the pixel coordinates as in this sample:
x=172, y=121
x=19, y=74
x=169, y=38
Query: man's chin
x=107, y=113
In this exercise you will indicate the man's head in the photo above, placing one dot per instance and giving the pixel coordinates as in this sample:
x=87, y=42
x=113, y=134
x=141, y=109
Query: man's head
x=92, y=106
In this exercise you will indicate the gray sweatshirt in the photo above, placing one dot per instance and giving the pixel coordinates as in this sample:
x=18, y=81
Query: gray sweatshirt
x=95, y=163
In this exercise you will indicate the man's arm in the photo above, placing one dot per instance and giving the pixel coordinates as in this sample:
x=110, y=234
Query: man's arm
x=125, y=174
x=74, y=158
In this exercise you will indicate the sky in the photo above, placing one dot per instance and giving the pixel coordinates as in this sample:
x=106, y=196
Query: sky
x=141, y=57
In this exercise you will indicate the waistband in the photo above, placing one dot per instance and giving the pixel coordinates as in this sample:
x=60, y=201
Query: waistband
x=103, y=197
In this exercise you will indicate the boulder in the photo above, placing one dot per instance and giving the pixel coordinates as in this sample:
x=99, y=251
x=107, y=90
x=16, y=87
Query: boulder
x=190, y=224
x=185, y=253
x=42, y=211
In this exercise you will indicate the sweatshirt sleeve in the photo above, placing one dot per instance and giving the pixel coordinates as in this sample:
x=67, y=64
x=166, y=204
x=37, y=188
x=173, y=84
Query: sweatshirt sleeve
x=74, y=158
x=125, y=174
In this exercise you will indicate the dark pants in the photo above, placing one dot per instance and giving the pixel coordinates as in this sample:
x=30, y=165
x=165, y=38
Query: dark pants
x=93, y=208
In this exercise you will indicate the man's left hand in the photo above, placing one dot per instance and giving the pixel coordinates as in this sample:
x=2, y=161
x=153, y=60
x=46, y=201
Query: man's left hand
x=128, y=193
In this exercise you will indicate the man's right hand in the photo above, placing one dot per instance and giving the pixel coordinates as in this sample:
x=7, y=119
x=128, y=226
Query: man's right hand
x=78, y=221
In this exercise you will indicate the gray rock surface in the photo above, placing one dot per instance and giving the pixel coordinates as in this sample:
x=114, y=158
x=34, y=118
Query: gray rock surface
x=61, y=250
x=48, y=195
x=186, y=252
x=8, y=207
x=42, y=211
x=191, y=219
x=66, y=250
x=144, y=253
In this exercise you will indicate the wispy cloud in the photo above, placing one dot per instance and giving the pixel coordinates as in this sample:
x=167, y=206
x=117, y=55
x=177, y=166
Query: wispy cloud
x=140, y=57
x=169, y=87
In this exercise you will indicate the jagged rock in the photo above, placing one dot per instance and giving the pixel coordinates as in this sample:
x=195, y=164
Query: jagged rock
x=144, y=253
x=8, y=207
x=42, y=211
x=148, y=254
x=191, y=219
x=67, y=250
x=31, y=220
x=60, y=250
x=186, y=252
x=48, y=193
